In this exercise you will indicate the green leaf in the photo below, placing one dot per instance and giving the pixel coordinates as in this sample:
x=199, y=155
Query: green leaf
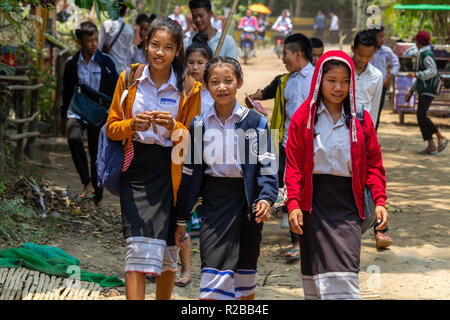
x=84, y=4
x=10, y=71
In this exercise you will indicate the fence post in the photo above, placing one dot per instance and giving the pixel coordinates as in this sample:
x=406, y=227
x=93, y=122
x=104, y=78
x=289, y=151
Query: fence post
x=3, y=115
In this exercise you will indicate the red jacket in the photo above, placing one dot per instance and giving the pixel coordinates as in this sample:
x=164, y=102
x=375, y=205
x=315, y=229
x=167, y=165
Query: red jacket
x=300, y=148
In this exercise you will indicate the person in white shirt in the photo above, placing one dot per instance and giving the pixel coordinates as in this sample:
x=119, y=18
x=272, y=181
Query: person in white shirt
x=334, y=28
x=121, y=49
x=381, y=57
x=201, y=16
x=283, y=23
x=369, y=80
x=369, y=86
x=178, y=17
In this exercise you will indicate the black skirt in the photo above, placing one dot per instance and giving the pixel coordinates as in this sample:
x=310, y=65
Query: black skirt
x=146, y=196
x=228, y=241
x=331, y=241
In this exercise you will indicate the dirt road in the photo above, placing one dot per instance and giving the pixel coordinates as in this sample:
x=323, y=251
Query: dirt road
x=417, y=266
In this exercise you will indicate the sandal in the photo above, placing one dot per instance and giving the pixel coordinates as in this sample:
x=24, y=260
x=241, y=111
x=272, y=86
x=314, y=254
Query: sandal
x=182, y=281
x=428, y=151
x=291, y=255
x=88, y=194
x=442, y=146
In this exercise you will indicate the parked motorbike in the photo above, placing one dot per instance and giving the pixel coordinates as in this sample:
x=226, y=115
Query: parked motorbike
x=247, y=43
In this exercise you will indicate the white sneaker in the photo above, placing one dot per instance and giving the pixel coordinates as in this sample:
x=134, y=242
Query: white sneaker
x=285, y=222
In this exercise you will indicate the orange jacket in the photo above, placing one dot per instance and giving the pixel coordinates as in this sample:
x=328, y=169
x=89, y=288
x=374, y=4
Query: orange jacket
x=118, y=128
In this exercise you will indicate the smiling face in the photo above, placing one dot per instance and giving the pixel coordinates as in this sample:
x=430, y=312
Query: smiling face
x=223, y=84
x=201, y=18
x=335, y=85
x=196, y=65
x=161, y=50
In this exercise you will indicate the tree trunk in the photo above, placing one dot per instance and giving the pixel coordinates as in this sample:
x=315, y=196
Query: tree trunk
x=298, y=8
x=271, y=5
x=291, y=7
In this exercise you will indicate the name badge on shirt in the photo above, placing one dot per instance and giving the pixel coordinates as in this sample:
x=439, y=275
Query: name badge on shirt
x=166, y=101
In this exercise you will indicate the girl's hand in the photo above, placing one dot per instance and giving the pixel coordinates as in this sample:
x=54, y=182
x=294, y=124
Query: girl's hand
x=408, y=96
x=296, y=221
x=163, y=118
x=142, y=121
x=382, y=217
x=411, y=75
x=180, y=232
x=262, y=210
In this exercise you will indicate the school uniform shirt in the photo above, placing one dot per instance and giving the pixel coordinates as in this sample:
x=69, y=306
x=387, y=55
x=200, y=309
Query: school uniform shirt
x=295, y=93
x=121, y=51
x=222, y=162
x=149, y=98
x=331, y=145
x=207, y=100
x=89, y=74
x=229, y=48
x=369, y=87
x=181, y=21
x=334, y=24
x=380, y=59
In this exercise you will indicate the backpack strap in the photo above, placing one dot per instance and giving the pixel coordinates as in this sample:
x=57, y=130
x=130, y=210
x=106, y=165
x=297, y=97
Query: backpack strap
x=360, y=116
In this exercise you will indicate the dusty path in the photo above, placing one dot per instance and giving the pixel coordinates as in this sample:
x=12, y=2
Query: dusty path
x=417, y=266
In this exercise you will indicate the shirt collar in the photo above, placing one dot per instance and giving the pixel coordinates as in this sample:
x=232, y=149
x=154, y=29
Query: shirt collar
x=322, y=109
x=81, y=59
x=237, y=111
x=425, y=48
x=146, y=75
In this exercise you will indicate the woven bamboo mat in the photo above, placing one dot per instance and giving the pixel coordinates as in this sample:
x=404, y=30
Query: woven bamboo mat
x=24, y=284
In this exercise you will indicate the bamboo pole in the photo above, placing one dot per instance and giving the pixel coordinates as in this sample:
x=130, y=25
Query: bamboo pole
x=226, y=28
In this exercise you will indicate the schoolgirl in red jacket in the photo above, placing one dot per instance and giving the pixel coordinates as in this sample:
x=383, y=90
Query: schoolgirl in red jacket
x=330, y=159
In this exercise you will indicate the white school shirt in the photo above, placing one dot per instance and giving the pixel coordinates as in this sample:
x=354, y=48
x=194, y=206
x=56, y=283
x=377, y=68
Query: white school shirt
x=207, y=100
x=220, y=144
x=332, y=153
x=181, y=21
x=122, y=50
x=149, y=98
x=334, y=24
x=295, y=93
x=229, y=48
x=380, y=59
x=89, y=74
x=369, y=87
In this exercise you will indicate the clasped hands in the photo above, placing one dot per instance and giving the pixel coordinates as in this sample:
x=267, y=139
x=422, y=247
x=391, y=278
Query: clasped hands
x=143, y=121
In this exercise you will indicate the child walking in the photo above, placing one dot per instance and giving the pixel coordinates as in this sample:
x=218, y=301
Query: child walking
x=331, y=158
x=289, y=91
x=197, y=55
x=232, y=166
x=92, y=68
x=159, y=100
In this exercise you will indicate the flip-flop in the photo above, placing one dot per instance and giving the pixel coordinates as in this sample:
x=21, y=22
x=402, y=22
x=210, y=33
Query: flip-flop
x=426, y=151
x=442, y=146
x=88, y=194
x=179, y=282
x=295, y=257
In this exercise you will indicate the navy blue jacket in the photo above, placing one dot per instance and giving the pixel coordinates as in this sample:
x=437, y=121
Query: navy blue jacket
x=260, y=168
x=107, y=82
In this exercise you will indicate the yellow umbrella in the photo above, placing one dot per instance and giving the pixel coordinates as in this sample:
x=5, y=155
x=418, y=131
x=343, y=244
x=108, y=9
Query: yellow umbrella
x=259, y=8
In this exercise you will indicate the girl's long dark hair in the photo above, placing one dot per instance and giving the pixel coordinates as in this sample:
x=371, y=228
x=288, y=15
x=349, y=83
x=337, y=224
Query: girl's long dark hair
x=327, y=67
x=175, y=30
